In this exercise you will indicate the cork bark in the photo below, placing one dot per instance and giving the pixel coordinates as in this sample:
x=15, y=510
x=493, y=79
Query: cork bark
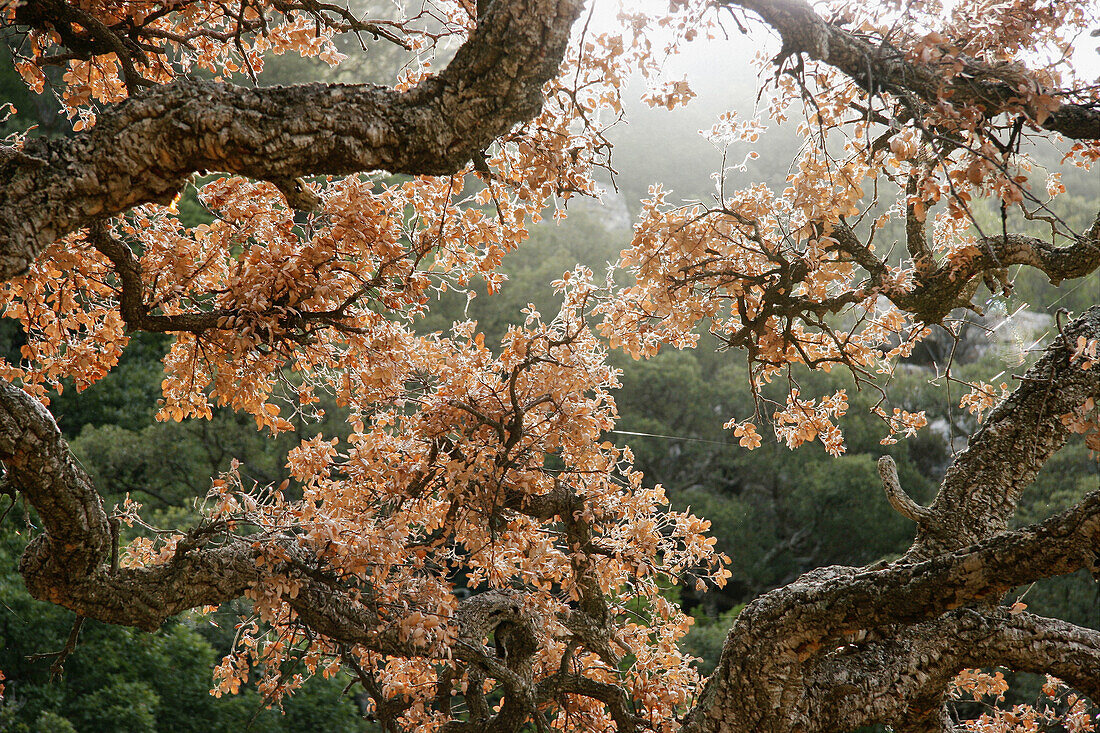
x=144, y=149
x=838, y=648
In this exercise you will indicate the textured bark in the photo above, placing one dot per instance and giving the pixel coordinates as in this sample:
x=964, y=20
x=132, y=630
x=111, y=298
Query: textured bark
x=940, y=288
x=843, y=647
x=881, y=67
x=144, y=149
x=838, y=648
x=860, y=682
x=984, y=483
x=69, y=564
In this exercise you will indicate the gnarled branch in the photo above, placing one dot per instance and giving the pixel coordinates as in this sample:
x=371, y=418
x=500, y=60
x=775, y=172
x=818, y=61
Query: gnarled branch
x=951, y=284
x=879, y=67
x=983, y=485
x=842, y=647
x=916, y=665
x=144, y=149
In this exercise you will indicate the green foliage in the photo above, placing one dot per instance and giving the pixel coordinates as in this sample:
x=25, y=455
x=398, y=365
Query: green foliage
x=707, y=636
x=553, y=249
x=126, y=397
x=120, y=680
x=119, y=706
x=53, y=723
x=37, y=111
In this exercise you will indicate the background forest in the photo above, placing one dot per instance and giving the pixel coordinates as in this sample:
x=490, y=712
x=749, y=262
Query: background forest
x=775, y=512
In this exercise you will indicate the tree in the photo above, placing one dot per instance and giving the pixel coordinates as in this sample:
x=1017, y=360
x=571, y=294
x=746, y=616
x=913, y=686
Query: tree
x=468, y=469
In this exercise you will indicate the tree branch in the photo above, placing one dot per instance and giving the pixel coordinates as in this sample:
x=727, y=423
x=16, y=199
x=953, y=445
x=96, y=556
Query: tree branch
x=40, y=466
x=879, y=67
x=902, y=503
x=950, y=285
x=70, y=565
x=917, y=664
x=143, y=149
x=983, y=485
x=912, y=593
x=783, y=653
x=293, y=324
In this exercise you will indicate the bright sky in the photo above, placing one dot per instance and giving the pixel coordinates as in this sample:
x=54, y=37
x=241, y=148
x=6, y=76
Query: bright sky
x=721, y=56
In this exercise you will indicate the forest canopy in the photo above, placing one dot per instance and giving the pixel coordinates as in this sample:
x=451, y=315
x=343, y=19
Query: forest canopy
x=443, y=513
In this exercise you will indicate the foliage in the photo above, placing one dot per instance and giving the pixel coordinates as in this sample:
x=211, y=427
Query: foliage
x=475, y=493
x=119, y=679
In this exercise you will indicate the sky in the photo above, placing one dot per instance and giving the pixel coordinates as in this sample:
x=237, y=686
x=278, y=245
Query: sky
x=723, y=55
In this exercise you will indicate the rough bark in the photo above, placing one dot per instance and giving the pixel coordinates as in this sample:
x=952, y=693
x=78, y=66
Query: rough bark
x=144, y=149
x=69, y=564
x=843, y=647
x=941, y=288
x=983, y=485
x=839, y=648
x=878, y=67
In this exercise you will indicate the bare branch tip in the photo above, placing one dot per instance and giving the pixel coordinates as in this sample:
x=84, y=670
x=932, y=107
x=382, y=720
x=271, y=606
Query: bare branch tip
x=902, y=503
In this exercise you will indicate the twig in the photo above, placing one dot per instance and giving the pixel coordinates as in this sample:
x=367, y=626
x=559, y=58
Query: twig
x=58, y=667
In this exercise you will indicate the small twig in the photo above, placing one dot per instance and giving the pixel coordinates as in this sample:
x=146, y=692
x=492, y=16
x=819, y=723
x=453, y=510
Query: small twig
x=6, y=511
x=7, y=489
x=58, y=667
x=1058, y=316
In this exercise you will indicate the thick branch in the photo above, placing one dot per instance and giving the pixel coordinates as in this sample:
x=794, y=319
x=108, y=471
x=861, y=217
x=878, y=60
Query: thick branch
x=613, y=696
x=911, y=593
x=951, y=285
x=769, y=677
x=40, y=466
x=68, y=563
x=902, y=679
x=1029, y=643
x=983, y=485
x=1057, y=263
x=292, y=324
x=881, y=67
x=902, y=503
x=144, y=149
